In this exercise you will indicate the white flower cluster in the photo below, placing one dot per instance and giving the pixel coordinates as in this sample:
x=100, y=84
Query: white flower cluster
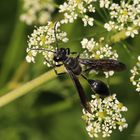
x=37, y=11
x=73, y=9
x=104, y=3
x=124, y=17
x=44, y=38
x=135, y=78
x=97, y=50
x=106, y=116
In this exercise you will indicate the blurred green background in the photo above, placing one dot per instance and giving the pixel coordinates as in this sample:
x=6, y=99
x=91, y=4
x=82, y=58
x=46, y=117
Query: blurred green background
x=53, y=111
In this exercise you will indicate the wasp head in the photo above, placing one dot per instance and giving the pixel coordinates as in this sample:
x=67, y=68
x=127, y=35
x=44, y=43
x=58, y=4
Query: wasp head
x=60, y=55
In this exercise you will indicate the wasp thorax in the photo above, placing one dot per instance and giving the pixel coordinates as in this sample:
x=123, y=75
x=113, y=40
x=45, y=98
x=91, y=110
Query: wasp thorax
x=99, y=87
x=60, y=55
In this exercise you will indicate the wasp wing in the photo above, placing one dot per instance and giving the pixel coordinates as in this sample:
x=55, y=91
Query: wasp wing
x=102, y=64
x=80, y=90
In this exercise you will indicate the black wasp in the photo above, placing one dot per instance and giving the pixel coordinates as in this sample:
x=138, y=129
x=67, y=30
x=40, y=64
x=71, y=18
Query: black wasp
x=74, y=69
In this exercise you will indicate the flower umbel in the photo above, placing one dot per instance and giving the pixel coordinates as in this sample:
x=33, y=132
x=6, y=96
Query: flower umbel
x=97, y=50
x=124, y=17
x=105, y=117
x=44, y=38
x=72, y=9
x=135, y=77
x=37, y=11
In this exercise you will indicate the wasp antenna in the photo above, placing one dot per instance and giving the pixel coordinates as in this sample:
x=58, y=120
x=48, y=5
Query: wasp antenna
x=42, y=49
x=56, y=40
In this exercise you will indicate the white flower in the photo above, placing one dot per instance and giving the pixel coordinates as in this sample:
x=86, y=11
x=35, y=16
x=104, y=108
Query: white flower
x=139, y=58
x=31, y=54
x=135, y=77
x=72, y=9
x=95, y=50
x=123, y=17
x=91, y=8
x=45, y=35
x=131, y=32
x=37, y=11
x=110, y=25
x=104, y=3
x=108, y=74
x=44, y=38
x=88, y=44
x=87, y=20
x=105, y=116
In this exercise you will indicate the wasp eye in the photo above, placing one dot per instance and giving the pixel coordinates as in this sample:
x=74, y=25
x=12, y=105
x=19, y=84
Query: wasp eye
x=99, y=87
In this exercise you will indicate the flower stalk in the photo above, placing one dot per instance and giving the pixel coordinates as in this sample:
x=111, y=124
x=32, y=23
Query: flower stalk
x=27, y=87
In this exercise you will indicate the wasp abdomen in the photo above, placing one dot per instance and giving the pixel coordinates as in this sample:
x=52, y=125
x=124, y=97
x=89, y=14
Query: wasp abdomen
x=99, y=87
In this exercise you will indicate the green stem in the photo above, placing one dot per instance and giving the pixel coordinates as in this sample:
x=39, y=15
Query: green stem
x=121, y=35
x=100, y=24
x=100, y=13
x=118, y=37
x=26, y=88
x=11, y=96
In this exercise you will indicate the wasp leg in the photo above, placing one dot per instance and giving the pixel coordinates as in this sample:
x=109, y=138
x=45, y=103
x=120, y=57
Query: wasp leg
x=58, y=65
x=54, y=66
x=73, y=52
x=88, y=69
x=68, y=51
x=59, y=74
x=78, y=54
x=84, y=77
